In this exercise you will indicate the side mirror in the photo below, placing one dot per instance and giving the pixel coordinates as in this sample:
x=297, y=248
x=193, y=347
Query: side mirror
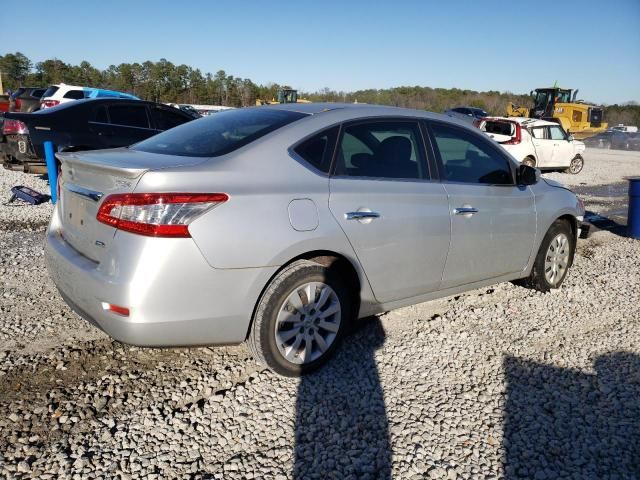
x=527, y=175
x=570, y=138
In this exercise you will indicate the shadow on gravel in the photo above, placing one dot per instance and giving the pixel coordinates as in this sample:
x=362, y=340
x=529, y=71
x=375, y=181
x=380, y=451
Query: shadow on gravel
x=560, y=423
x=342, y=429
x=606, y=221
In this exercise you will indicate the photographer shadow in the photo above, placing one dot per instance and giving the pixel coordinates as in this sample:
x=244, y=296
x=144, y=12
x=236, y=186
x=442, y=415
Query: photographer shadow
x=342, y=428
x=561, y=423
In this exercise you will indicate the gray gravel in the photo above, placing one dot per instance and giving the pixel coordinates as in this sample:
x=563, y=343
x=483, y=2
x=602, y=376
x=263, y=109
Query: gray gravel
x=501, y=382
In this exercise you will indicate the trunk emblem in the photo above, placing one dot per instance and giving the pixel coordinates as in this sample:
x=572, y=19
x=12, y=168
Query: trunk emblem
x=99, y=243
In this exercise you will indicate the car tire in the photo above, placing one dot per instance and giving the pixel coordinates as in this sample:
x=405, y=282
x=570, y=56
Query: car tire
x=576, y=165
x=553, y=260
x=286, y=318
x=529, y=161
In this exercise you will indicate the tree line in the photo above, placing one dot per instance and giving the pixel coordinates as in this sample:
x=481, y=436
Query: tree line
x=164, y=81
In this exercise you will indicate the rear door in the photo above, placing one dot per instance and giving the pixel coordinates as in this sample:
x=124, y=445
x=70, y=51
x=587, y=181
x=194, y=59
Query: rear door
x=129, y=124
x=542, y=145
x=493, y=221
x=393, y=213
x=562, y=153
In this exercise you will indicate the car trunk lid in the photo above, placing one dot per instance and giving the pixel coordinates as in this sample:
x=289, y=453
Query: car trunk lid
x=89, y=177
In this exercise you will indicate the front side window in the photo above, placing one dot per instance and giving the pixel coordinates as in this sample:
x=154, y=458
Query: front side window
x=468, y=159
x=389, y=149
x=318, y=150
x=556, y=133
x=129, y=115
x=219, y=134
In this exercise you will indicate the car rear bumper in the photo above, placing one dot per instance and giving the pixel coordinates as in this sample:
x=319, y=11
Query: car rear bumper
x=175, y=298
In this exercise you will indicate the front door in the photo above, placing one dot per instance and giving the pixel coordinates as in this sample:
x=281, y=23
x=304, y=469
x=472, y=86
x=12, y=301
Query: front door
x=493, y=220
x=395, y=217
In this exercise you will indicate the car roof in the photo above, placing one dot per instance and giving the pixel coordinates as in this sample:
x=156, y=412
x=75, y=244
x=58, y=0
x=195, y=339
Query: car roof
x=529, y=122
x=96, y=101
x=357, y=110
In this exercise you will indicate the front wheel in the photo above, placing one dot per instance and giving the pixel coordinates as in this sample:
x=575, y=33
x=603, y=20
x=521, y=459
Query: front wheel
x=554, y=258
x=300, y=318
x=576, y=165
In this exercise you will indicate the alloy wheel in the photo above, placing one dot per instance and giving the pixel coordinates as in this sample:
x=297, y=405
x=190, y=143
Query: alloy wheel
x=307, y=323
x=557, y=259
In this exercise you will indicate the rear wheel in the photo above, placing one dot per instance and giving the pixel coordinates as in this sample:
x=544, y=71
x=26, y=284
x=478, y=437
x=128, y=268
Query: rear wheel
x=576, y=165
x=553, y=260
x=300, y=318
x=529, y=161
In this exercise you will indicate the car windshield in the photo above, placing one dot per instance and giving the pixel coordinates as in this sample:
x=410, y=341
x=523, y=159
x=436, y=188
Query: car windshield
x=50, y=91
x=218, y=134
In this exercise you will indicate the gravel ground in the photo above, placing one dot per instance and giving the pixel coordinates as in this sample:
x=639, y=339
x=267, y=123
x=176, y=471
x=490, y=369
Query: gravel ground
x=501, y=382
x=602, y=167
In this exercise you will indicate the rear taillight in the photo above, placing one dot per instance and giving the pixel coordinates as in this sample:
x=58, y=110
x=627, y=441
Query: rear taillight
x=14, y=127
x=18, y=104
x=517, y=138
x=49, y=103
x=157, y=214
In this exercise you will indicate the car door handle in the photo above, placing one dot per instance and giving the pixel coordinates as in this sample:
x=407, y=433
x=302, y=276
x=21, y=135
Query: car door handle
x=361, y=215
x=465, y=210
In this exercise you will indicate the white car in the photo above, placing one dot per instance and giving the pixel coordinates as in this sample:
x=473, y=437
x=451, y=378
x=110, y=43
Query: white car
x=62, y=93
x=536, y=143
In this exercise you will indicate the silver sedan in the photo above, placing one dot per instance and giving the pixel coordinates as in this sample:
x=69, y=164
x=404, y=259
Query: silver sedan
x=280, y=225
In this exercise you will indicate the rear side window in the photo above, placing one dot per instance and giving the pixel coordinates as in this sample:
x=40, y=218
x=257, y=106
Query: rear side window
x=164, y=119
x=100, y=115
x=318, y=150
x=74, y=94
x=50, y=92
x=468, y=159
x=219, y=134
x=537, y=132
x=386, y=149
x=129, y=115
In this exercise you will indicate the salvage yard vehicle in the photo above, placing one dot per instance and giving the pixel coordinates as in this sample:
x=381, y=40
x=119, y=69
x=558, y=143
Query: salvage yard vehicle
x=82, y=125
x=536, y=143
x=62, y=93
x=26, y=99
x=467, y=114
x=560, y=105
x=281, y=225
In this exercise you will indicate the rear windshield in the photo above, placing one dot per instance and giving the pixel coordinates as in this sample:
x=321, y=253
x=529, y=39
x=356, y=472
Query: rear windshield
x=499, y=128
x=50, y=91
x=218, y=134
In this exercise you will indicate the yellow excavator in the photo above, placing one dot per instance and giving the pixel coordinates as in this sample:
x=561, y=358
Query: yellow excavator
x=559, y=105
x=284, y=95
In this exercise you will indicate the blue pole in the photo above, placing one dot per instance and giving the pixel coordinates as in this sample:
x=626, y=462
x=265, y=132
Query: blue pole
x=52, y=170
x=633, y=216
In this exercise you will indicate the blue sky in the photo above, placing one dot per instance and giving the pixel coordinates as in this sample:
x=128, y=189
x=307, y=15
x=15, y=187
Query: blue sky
x=512, y=45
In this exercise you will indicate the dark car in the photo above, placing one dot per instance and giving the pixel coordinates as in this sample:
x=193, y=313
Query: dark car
x=26, y=99
x=82, y=125
x=625, y=141
x=601, y=140
x=468, y=114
